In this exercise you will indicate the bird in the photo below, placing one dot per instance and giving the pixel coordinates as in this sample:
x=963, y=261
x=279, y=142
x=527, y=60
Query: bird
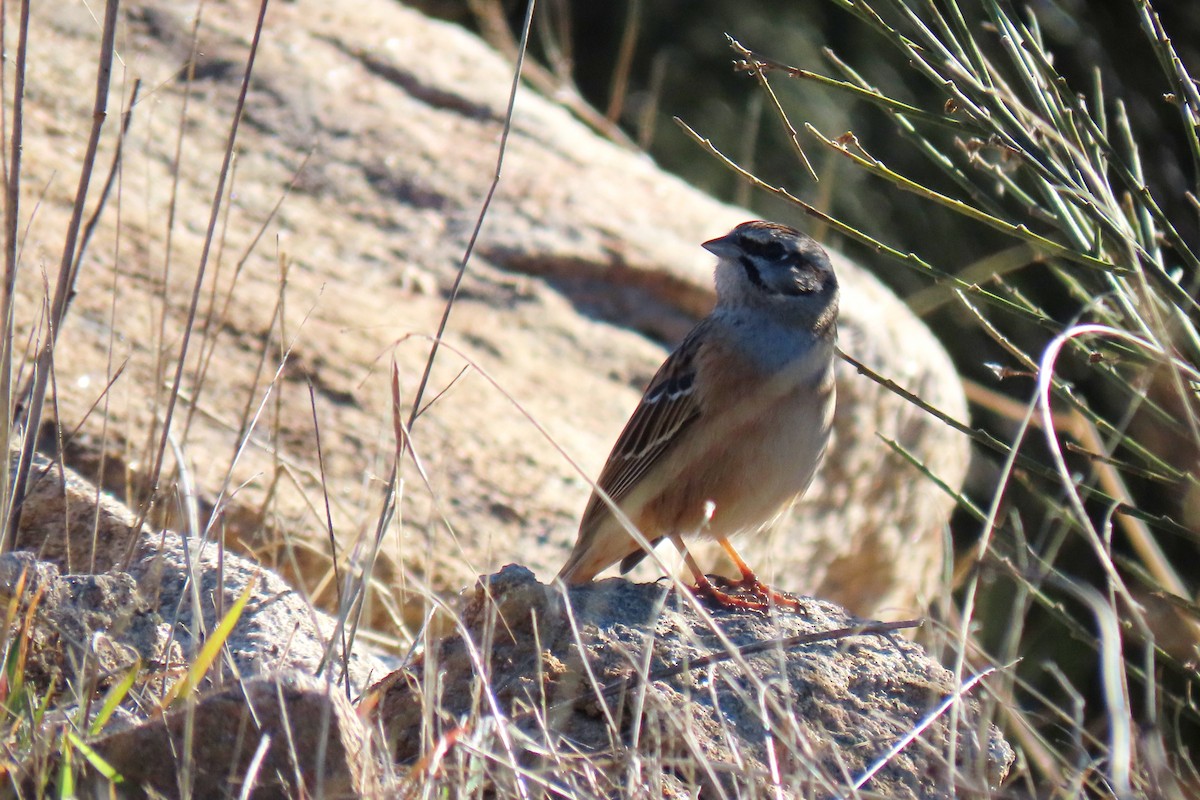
x=731, y=429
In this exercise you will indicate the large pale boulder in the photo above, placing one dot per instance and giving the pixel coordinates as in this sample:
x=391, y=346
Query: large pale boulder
x=378, y=129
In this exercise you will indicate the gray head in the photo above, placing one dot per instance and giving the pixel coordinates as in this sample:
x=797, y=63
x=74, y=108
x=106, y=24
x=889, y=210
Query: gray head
x=776, y=268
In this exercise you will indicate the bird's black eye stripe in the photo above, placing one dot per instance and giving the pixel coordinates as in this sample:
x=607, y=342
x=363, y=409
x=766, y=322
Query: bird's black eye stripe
x=770, y=250
x=752, y=273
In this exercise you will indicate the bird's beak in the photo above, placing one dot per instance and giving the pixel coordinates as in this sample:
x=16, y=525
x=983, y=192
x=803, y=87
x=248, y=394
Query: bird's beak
x=722, y=247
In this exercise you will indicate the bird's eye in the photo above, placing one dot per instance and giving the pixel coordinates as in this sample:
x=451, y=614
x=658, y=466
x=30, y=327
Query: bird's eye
x=772, y=251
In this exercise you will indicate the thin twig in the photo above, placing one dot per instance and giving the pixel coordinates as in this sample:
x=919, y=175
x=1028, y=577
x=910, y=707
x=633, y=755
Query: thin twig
x=156, y=469
x=385, y=516
x=113, y=171
x=64, y=285
x=333, y=549
x=12, y=196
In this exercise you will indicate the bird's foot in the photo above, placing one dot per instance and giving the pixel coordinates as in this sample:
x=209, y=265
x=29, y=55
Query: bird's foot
x=755, y=587
x=748, y=593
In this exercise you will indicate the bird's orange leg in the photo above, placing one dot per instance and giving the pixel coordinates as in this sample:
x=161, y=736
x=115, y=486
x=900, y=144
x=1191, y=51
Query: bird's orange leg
x=705, y=587
x=751, y=582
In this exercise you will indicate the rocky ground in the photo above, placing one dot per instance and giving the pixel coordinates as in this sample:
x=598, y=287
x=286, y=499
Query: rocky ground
x=610, y=689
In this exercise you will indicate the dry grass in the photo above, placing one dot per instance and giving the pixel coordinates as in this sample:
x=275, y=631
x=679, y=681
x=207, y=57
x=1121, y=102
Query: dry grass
x=1066, y=544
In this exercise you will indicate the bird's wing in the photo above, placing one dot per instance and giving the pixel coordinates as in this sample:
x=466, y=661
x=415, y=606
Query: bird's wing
x=669, y=405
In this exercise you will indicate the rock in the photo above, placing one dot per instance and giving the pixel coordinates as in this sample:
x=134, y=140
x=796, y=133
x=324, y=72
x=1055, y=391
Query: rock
x=714, y=715
x=94, y=625
x=70, y=522
x=84, y=632
x=314, y=744
x=380, y=127
x=148, y=608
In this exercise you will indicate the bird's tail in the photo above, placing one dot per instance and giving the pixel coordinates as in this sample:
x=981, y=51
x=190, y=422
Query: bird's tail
x=582, y=566
x=597, y=549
